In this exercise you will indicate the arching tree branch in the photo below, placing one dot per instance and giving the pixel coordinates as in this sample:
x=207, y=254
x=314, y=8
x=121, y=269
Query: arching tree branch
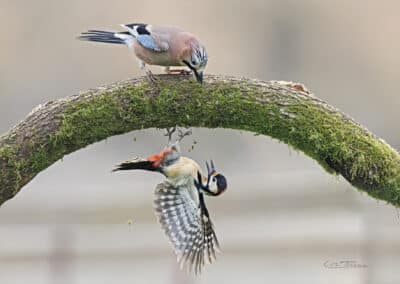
x=281, y=110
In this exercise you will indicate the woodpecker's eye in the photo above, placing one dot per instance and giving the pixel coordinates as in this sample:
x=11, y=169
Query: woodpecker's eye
x=213, y=179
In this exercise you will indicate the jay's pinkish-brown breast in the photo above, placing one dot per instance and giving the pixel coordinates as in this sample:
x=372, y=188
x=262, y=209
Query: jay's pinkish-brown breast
x=163, y=58
x=179, y=48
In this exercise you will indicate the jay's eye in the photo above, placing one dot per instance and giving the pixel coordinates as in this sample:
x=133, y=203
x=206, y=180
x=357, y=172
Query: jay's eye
x=194, y=62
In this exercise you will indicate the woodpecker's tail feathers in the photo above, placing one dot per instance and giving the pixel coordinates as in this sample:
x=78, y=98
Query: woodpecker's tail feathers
x=107, y=37
x=136, y=164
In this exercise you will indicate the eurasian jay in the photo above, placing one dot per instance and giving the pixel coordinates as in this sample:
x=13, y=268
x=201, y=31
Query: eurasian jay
x=157, y=45
x=180, y=206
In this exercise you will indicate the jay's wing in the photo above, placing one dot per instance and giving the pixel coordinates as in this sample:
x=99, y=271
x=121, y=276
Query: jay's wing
x=146, y=38
x=186, y=224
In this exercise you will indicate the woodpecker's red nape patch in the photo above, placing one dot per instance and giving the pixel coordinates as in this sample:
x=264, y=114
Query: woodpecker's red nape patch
x=157, y=159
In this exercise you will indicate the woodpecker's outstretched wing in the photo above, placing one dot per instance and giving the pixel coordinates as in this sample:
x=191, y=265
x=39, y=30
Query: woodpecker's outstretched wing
x=187, y=224
x=146, y=37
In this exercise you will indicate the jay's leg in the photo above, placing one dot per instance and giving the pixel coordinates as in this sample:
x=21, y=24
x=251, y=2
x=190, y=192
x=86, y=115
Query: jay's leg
x=181, y=71
x=149, y=74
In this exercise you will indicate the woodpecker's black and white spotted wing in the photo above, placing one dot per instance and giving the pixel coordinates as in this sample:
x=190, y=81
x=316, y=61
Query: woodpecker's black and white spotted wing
x=187, y=224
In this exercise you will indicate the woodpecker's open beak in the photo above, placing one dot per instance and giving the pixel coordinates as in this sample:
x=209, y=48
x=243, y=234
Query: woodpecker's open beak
x=198, y=75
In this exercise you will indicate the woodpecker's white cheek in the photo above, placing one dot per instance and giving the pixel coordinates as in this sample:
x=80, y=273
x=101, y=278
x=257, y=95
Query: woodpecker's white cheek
x=213, y=188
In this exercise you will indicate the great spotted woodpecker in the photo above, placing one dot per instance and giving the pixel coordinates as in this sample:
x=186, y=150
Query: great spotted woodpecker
x=179, y=203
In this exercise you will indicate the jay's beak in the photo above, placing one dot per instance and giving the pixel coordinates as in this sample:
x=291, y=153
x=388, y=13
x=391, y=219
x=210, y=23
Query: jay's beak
x=199, y=76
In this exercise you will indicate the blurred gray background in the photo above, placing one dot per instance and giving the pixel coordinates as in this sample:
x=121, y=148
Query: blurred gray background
x=282, y=218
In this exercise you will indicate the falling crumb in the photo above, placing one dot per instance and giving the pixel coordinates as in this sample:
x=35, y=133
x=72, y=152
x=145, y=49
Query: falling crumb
x=287, y=114
x=296, y=86
x=300, y=87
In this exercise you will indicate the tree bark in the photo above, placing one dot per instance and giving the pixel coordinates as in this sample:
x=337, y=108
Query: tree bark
x=283, y=110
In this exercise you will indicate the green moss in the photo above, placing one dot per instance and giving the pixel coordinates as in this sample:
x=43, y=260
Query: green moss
x=337, y=145
x=10, y=177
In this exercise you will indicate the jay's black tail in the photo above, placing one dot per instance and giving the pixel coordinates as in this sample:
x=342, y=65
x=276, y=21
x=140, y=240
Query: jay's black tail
x=105, y=36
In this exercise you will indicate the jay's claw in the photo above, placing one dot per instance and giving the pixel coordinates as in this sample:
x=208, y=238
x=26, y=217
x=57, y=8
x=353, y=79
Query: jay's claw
x=151, y=77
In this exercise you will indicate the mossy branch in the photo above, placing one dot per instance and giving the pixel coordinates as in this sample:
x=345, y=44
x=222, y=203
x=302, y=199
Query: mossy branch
x=282, y=110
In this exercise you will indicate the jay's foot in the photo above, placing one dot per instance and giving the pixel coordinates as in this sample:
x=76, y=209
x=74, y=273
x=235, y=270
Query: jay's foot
x=151, y=77
x=180, y=71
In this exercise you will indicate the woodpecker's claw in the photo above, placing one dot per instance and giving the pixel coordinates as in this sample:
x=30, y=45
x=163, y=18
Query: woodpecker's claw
x=170, y=132
x=182, y=134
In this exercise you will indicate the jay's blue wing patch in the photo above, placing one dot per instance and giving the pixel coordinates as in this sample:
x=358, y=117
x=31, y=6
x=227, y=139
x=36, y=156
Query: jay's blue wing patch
x=147, y=41
x=142, y=33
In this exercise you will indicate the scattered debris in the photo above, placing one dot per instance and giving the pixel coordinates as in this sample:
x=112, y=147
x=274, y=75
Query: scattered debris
x=296, y=86
x=287, y=114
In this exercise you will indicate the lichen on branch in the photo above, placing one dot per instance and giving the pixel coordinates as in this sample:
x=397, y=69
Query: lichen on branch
x=282, y=110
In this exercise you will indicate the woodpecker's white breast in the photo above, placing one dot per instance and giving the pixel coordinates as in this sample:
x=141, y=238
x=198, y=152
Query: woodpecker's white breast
x=182, y=174
x=181, y=170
